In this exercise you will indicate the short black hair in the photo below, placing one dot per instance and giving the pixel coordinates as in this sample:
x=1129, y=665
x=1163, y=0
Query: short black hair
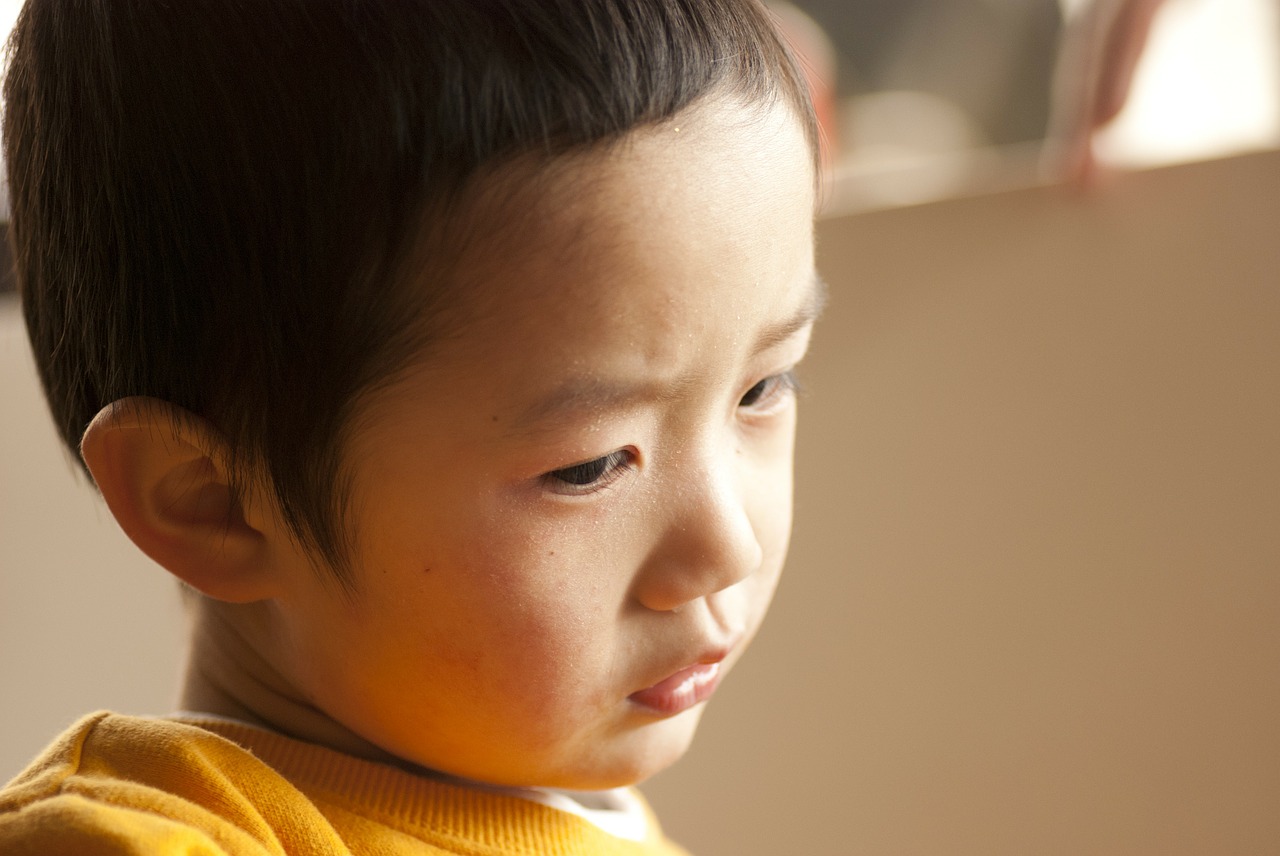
x=212, y=200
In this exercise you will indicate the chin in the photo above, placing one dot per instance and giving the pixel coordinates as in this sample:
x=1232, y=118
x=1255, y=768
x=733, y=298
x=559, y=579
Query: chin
x=636, y=756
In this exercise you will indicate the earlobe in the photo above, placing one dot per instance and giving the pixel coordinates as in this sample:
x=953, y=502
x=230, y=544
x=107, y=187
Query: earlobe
x=164, y=476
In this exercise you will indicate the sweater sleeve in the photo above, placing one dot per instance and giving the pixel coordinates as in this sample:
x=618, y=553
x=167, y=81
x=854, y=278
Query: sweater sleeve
x=116, y=786
x=73, y=824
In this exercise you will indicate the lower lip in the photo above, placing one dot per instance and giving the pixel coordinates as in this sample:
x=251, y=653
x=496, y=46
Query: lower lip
x=681, y=691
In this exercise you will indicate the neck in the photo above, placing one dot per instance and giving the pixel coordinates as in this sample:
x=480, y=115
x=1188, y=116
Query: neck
x=228, y=675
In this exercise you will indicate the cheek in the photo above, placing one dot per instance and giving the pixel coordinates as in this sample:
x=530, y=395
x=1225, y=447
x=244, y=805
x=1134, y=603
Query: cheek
x=771, y=493
x=771, y=515
x=544, y=610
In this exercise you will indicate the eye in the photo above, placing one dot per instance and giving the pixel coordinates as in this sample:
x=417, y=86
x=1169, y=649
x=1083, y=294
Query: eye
x=769, y=390
x=589, y=476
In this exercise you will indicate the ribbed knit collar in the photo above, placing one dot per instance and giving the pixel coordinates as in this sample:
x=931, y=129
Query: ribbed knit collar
x=426, y=808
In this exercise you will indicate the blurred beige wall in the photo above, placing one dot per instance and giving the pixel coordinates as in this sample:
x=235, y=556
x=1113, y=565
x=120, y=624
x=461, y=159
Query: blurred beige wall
x=1033, y=604
x=86, y=621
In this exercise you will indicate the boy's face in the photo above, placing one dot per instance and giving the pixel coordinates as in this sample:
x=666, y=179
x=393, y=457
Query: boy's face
x=571, y=516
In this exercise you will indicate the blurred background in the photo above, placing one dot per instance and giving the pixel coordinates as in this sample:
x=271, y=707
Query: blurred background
x=936, y=98
x=1033, y=604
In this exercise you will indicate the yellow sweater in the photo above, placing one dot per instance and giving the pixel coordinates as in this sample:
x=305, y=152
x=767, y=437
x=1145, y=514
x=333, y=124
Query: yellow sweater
x=128, y=785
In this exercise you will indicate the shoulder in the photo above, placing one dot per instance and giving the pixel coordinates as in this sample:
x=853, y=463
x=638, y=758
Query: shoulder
x=131, y=785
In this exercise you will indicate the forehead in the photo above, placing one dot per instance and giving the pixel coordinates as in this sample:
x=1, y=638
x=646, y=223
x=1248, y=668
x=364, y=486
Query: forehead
x=683, y=205
x=678, y=245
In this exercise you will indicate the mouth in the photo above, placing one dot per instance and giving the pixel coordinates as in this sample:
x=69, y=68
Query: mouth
x=682, y=690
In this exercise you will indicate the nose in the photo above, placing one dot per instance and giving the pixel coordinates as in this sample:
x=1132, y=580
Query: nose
x=707, y=542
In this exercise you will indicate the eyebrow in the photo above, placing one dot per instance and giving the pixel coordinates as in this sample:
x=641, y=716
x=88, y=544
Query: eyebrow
x=591, y=393
x=810, y=310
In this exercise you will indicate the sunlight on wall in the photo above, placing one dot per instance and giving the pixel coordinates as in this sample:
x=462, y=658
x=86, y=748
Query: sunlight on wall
x=1208, y=85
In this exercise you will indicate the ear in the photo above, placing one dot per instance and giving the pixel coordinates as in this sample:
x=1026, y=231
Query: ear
x=163, y=473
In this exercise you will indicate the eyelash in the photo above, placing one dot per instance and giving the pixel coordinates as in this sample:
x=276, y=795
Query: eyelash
x=590, y=476
x=770, y=390
x=598, y=473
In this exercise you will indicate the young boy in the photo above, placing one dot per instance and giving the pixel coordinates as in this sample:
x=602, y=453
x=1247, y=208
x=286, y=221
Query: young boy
x=443, y=350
